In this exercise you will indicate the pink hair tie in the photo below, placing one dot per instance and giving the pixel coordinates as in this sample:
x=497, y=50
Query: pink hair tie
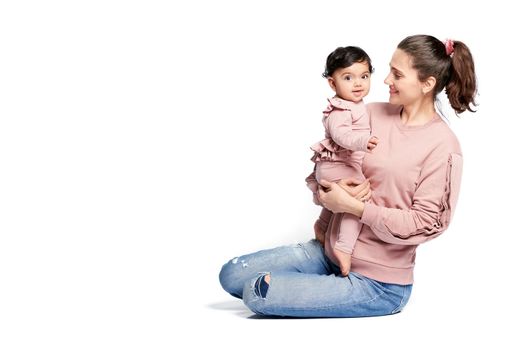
x=449, y=46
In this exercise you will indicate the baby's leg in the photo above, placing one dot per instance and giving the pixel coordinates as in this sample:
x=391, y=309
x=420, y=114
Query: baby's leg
x=345, y=242
x=329, y=171
x=340, y=244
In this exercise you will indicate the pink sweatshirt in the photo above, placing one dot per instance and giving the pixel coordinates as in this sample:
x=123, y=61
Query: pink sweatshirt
x=415, y=174
x=347, y=130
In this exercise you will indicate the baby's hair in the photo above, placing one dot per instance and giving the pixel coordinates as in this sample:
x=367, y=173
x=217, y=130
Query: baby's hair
x=343, y=57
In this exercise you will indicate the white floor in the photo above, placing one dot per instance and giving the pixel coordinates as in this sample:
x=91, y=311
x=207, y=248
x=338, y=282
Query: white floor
x=448, y=320
x=146, y=307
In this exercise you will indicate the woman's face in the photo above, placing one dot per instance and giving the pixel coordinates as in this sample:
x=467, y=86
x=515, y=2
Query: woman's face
x=405, y=87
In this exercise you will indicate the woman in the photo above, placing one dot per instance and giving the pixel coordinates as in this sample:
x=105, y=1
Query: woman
x=414, y=173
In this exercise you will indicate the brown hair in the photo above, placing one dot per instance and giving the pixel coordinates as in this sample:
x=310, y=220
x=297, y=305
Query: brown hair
x=455, y=72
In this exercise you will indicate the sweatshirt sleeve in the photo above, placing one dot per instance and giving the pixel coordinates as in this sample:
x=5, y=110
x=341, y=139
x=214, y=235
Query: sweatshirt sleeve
x=340, y=127
x=432, y=207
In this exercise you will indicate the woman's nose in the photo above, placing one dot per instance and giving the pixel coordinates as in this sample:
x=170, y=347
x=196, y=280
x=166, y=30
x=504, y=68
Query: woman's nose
x=387, y=80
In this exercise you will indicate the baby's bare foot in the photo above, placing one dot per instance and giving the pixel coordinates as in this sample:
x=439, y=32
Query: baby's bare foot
x=343, y=260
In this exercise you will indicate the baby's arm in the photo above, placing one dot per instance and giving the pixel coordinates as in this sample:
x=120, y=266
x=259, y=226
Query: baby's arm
x=345, y=134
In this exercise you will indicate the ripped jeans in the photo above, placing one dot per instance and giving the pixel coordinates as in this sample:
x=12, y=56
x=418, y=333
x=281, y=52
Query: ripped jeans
x=305, y=283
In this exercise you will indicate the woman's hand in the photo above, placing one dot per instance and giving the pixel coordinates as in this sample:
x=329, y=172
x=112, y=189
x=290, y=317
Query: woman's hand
x=358, y=189
x=336, y=198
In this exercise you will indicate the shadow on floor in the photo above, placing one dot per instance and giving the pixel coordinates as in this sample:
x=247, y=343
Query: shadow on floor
x=236, y=306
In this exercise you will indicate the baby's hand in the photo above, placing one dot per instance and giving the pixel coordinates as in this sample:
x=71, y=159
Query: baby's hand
x=372, y=143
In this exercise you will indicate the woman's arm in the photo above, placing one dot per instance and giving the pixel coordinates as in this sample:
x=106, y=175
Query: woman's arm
x=432, y=206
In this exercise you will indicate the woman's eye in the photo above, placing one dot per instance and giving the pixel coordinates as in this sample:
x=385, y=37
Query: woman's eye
x=396, y=74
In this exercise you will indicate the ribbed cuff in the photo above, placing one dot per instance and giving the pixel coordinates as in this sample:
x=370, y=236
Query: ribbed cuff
x=370, y=214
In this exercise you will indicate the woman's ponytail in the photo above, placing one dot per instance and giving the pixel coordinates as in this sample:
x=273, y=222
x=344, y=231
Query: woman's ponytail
x=461, y=88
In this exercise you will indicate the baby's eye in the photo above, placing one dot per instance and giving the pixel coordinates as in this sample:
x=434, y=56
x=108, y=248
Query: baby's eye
x=347, y=77
x=366, y=76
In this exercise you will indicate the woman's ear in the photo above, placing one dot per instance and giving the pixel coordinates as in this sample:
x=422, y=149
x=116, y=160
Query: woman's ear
x=428, y=85
x=331, y=82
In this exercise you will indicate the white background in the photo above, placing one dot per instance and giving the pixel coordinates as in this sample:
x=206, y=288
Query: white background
x=145, y=143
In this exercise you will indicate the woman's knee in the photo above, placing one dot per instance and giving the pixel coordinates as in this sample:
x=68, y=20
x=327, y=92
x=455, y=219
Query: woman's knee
x=230, y=279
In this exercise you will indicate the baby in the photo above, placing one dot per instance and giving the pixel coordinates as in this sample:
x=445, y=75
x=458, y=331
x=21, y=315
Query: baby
x=347, y=138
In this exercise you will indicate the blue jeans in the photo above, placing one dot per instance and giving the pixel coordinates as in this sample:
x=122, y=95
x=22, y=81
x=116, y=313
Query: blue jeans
x=305, y=283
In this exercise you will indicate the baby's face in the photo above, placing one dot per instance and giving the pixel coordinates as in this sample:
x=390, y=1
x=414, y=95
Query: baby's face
x=351, y=83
